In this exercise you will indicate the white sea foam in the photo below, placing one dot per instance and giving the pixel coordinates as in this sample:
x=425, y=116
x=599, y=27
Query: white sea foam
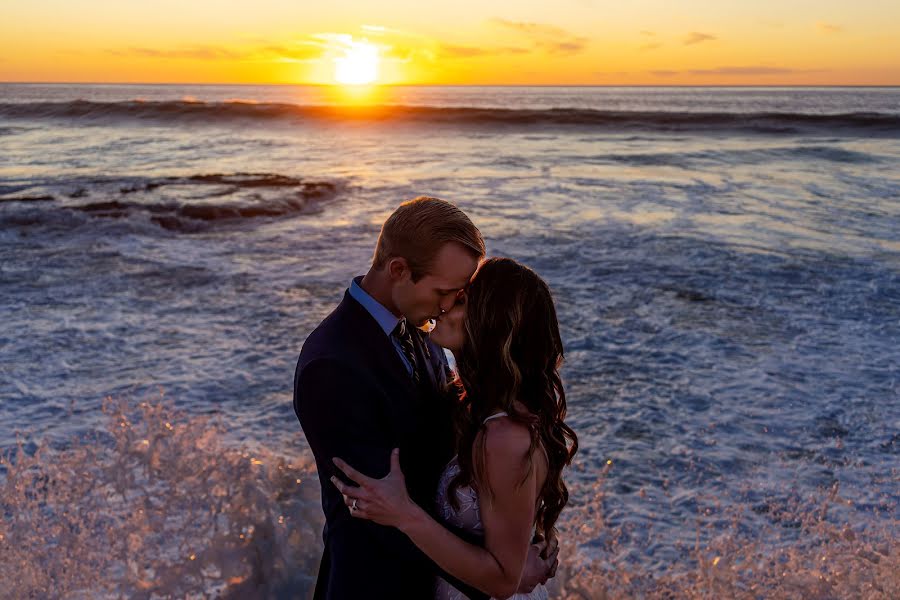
x=159, y=505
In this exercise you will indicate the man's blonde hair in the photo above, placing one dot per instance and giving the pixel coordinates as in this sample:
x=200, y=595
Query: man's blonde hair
x=419, y=228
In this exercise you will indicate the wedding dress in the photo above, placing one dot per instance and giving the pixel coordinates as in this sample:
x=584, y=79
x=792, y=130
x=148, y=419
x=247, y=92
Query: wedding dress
x=468, y=518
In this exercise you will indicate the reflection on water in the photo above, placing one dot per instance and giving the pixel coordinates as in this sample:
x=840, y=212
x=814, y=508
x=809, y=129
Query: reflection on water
x=159, y=506
x=354, y=95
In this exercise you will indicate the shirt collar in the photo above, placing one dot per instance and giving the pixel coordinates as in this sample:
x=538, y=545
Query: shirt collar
x=385, y=318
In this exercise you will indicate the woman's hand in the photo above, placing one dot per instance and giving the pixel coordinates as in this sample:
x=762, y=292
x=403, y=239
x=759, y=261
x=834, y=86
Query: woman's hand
x=384, y=501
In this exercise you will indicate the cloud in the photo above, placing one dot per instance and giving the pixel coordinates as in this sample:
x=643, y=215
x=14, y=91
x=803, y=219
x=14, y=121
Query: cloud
x=435, y=50
x=648, y=47
x=749, y=70
x=829, y=28
x=393, y=44
x=331, y=44
x=647, y=33
x=380, y=30
x=695, y=37
x=332, y=40
x=406, y=46
x=454, y=51
x=192, y=53
x=736, y=71
x=300, y=52
x=530, y=29
x=573, y=46
x=549, y=38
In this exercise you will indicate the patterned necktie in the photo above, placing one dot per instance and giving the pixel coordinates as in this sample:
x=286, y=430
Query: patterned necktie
x=404, y=336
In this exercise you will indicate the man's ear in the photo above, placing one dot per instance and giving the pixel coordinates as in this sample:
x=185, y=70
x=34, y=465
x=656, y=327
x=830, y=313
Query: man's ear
x=397, y=268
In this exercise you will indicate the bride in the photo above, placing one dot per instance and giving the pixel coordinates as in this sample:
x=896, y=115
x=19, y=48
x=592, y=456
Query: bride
x=506, y=481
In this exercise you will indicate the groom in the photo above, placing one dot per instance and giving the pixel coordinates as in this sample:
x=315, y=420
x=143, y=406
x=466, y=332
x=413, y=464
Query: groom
x=368, y=380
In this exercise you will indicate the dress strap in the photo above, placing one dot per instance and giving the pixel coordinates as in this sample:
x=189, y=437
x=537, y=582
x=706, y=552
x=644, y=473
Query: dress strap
x=494, y=416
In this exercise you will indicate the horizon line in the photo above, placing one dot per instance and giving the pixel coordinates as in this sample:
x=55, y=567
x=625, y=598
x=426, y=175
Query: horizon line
x=497, y=85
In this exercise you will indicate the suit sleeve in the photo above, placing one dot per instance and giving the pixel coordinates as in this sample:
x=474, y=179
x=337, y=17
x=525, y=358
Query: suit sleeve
x=341, y=418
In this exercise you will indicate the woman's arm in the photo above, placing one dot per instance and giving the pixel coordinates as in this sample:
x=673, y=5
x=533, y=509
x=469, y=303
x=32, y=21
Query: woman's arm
x=508, y=515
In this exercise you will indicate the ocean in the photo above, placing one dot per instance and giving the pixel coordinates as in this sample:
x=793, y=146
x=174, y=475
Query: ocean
x=726, y=267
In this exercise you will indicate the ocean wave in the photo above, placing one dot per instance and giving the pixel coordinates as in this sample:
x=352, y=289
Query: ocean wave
x=882, y=124
x=157, y=505
x=4, y=131
x=36, y=198
x=743, y=156
x=179, y=206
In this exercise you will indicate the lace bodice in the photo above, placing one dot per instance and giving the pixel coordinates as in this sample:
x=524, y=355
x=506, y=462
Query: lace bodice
x=467, y=517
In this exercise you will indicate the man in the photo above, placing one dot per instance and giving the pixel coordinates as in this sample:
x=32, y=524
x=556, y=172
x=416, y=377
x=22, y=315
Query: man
x=368, y=380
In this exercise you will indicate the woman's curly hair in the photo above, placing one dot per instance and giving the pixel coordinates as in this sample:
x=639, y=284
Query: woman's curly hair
x=512, y=352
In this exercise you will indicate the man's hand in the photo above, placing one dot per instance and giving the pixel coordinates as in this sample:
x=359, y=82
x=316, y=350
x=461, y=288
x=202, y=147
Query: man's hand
x=541, y=564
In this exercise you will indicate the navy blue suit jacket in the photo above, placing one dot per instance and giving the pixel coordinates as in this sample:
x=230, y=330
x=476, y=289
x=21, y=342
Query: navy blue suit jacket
x=356, y=401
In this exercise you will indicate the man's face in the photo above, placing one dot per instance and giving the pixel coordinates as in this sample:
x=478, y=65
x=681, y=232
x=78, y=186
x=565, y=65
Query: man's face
x=449, y=331
x=451, y=271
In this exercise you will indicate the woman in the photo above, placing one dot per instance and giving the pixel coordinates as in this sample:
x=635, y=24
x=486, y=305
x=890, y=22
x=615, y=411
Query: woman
x=506, y=480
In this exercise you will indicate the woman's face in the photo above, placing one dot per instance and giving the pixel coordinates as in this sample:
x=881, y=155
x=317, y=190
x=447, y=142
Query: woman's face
x=448, y=331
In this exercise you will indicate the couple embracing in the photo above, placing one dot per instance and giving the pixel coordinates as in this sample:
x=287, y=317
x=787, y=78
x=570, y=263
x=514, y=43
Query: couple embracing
x=437, y=482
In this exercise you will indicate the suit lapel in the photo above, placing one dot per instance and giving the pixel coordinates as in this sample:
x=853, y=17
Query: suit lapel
x=379, y=346
x=423, y=353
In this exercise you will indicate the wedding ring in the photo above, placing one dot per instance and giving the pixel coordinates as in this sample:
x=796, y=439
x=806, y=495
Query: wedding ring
x=353, y=506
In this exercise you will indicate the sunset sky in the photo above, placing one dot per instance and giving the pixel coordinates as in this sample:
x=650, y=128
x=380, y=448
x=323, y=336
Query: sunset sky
x=578, y=42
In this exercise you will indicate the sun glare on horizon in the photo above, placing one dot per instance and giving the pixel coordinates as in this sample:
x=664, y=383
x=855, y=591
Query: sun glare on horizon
x=358, y=65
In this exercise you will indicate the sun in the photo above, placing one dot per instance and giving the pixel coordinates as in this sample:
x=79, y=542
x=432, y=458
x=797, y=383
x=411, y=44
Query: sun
x=358, y=65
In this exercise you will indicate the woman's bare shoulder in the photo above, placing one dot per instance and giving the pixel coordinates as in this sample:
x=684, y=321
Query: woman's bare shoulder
x=506, y=439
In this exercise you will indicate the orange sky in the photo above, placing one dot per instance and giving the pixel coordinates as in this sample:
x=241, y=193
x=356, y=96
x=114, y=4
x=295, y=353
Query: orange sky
x=579, y=42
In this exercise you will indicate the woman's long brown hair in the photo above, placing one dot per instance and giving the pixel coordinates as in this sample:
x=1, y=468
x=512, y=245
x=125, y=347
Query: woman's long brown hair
x=512, y=352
